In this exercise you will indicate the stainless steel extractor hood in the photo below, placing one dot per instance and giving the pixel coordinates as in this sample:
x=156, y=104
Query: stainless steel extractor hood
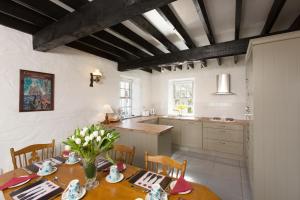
x=223, y=84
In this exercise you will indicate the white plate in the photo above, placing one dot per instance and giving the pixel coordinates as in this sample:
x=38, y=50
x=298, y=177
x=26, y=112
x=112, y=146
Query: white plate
x=148, y=197
x=17, y=185
x=68, y=163
x=41, y=174
x=64, y=195
x=110, y=181
x=172, y=185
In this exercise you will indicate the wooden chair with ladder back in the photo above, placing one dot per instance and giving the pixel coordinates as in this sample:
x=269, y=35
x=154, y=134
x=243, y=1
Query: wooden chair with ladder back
x=123, y=153
x=165, y=165
x=33, y=153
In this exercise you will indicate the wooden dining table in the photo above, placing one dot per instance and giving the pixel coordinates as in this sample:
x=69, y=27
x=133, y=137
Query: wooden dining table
x=105, y=191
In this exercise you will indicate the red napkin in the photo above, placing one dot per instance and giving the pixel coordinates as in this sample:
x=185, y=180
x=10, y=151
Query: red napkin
x=120, y=166
x=181, y=186
x=17, y=180
x=66, y=153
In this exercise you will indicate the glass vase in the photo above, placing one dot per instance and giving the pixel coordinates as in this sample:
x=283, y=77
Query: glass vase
x=90, y=172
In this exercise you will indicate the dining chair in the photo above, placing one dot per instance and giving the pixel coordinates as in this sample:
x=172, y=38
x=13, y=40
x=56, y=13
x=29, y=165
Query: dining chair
x=123, y=153
x=33, y=153
x=165, y=165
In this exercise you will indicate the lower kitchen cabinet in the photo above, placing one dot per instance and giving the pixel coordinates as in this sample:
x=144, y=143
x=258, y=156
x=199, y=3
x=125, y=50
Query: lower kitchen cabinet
x=191, y=134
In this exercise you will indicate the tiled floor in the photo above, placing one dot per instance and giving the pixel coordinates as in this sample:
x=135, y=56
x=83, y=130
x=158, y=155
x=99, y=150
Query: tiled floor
x=225, y=177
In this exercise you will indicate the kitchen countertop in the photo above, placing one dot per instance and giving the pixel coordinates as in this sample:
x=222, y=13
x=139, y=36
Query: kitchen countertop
x=139, y=124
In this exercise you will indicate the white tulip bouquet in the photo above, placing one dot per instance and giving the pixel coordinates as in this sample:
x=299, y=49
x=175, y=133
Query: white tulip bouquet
x=89, y=142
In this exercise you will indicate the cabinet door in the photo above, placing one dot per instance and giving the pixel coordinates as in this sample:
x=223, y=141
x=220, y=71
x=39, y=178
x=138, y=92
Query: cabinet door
x=176, y=131
x=191, y=134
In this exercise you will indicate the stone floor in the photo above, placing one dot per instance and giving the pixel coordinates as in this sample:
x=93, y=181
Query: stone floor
x=226, y=177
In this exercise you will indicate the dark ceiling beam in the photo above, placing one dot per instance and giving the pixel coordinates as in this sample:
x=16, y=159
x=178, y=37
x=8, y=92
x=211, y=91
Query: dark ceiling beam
x=295, y=25
x=92, y=50
x=169, y=15
x=238, y=15
x=272, y=16
x=178, y=67
x=107, y=48
x=113, y=40
x=201, y=10
x=224, y=49
x=47, y=8
x=17, y=24
x=90, y=18
x=191, y=65
x=230, y=48
x=126, y=32
x=18, y=11
x=145, y=25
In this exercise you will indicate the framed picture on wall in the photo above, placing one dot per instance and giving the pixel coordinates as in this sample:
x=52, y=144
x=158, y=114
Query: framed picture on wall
x=36, y=91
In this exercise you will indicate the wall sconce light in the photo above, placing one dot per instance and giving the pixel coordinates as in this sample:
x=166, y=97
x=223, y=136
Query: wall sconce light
x=95, y=77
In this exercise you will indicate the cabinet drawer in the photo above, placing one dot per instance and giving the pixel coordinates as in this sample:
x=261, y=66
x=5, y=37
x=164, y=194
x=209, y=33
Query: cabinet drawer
x=223, y=134
x=222, y=125
x=223, y=146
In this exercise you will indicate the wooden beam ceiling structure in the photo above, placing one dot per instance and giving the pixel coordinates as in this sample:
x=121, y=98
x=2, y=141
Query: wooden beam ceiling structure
x=295, y=25
x=167, y=13
x=145, y=25
x=109, y=38
x=201, y=10
x=90, y=18
x=272, y=16
x=238, y=15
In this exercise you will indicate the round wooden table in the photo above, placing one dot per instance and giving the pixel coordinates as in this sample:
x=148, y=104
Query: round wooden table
x=106, y=191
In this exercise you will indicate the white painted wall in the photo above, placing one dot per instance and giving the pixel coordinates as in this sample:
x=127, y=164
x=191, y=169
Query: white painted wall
x=206, y=103
x=76, y=104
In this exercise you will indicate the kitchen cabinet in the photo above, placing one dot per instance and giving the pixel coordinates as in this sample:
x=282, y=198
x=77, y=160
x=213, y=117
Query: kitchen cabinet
x=176, y=130
x=273, y=72
x=191, y=134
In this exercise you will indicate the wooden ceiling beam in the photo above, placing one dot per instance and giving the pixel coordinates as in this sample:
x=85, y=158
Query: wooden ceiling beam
x=145, y=25
x=238, y=15
x=18, y=24
x=75, y=4
x=169, y=15
x=90, y=18
x=230, y=48
x=93, y=50
x=272, y=16
x=20, y=12
x=295, y=25
x=93, y=41
x=201, y=10
x=126, y=32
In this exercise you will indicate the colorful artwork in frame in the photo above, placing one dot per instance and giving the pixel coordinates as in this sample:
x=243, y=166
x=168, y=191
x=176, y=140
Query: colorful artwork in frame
x=36, y=91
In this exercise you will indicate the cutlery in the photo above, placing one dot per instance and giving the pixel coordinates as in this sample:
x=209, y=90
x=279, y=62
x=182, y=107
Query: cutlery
x=37, y=195
x=132, y=175
x=149, y=174
x=157, y=178
x=152, y=177
x=24, y=194
x=31, y=194
x=27, y=170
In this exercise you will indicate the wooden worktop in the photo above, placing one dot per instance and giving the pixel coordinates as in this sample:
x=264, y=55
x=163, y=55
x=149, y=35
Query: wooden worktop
x=137, y=123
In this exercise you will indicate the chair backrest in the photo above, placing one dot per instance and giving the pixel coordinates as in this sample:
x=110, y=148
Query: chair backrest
x=36, y=153
x=123, y=153
x=165, y=165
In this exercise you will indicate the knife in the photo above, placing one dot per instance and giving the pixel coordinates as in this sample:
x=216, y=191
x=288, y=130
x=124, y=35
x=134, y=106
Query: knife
x=157, y=178
x=19, y=196
x=152, y=177
x=31, y=194
x=149, y=174
x=35, y=196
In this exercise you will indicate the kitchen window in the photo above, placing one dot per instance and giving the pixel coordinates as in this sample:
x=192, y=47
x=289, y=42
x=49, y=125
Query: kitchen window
x=126, y=98
x=181, y=97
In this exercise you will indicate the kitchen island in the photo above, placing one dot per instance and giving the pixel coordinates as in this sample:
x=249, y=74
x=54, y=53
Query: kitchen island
x=146, y=137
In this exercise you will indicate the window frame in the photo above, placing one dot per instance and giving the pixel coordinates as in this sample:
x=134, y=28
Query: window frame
x=172, y=96
x=130, y=98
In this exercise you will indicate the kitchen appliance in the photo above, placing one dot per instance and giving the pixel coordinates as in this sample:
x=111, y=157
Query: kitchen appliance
x=223, y=84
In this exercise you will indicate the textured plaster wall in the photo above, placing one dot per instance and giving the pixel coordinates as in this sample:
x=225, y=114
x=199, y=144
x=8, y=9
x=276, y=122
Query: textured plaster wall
x=76, y=104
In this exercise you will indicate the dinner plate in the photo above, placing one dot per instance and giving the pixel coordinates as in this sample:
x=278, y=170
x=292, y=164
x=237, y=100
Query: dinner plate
x=64, y=195
x=19, y=184
x=69, y=163
x=46, y=174
x=148, y=197
x=172, y=185
x=110, y=181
